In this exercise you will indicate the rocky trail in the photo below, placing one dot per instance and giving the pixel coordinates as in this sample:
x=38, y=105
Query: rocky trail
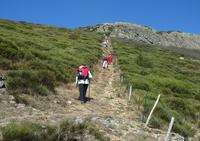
x=108, y=108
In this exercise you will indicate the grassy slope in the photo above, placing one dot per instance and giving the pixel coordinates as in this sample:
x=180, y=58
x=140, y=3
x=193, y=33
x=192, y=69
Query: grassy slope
x=154, y=71
x=35, y=57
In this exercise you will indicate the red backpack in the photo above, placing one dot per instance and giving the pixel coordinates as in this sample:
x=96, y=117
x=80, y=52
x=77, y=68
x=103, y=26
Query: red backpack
x=83, y=72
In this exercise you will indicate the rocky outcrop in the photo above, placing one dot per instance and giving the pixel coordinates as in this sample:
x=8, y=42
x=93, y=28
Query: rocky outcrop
x=148, y=35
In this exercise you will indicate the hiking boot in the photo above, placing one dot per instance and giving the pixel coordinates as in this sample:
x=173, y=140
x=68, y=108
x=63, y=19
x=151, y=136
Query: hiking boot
x=82, y=102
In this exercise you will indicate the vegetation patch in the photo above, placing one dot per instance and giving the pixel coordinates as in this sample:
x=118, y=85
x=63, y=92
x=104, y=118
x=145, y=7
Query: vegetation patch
x=67, y=130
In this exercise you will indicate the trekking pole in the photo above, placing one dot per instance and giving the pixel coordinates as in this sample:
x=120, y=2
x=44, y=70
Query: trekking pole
x=89, y=91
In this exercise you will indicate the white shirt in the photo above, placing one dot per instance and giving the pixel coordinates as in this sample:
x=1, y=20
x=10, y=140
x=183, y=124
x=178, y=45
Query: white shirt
x=84, y=81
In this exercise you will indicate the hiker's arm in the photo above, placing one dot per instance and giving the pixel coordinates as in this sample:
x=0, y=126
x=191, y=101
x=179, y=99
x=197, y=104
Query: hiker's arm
x=90, y=75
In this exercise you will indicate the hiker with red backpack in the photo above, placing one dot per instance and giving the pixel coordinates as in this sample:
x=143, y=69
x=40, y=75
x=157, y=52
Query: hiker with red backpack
x=110, y=58
x=82, y=81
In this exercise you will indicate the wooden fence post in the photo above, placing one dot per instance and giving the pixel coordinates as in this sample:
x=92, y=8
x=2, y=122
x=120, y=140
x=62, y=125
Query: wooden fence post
x=152, y=111
x=169, y=129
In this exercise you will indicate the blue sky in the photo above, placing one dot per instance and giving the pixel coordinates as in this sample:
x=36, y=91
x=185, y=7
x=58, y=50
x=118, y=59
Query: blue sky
x=179, y=15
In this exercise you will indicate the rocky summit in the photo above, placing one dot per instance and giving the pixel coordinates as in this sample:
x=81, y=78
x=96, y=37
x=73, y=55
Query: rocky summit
x=148, y=35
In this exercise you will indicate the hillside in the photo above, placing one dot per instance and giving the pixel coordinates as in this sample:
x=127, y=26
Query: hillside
x=36, y=57
x=152, y=71
x=41, y=101
x=148, y=35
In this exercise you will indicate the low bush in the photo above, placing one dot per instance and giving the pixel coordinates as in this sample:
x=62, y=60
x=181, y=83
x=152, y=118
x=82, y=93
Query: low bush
x=31, y=82
x=21, y=132
x=141, y=84
x=19, y=99
x=5, y=64
x=70, y=130
x=73, y=36
x=155, y=122
x=143, y=61
x=67, y=130
x=184, y=130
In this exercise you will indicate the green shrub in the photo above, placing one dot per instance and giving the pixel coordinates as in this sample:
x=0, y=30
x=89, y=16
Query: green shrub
x=49, y=133
x=19, y=99
x=31, y=82
x=179, y=88
x=163, y=113
x=70, y=130
x=29, y=56
x=97, y=134
x=5, y=64
x=141, y=84
x=27, y=131
x=21, y=132
x=143, y=61
x=67, y=130
x=73, y=36
x=155, y=122
x=47, y=78
x=39, y=89
x=144, y=72
x=11, y=52
x=177, y=103
x=184, y=130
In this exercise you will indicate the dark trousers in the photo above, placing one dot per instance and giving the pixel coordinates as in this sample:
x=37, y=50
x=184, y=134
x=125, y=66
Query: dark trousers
x=83, y=91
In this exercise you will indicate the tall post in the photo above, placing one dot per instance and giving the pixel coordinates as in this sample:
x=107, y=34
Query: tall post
x=122, y=78
x=169, y=129
x=152, y=111
x=130, y=93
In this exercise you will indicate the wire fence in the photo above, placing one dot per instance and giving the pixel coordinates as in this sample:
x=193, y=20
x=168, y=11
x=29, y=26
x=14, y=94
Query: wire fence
x=143, y=113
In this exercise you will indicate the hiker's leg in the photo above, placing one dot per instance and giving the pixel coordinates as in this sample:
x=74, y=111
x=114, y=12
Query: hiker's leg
x=85, y=91
x=109, y=62
x=104, y=64
x=81, y=90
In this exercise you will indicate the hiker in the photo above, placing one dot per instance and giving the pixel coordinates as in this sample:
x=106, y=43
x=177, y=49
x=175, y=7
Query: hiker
x=107, y=40
x=110, y=58
x=2, y=83
x=105, y=44
x=105, y=62
x=82, y=80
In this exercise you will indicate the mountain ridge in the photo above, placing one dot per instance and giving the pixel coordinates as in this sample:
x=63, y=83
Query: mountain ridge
x=149, y=35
